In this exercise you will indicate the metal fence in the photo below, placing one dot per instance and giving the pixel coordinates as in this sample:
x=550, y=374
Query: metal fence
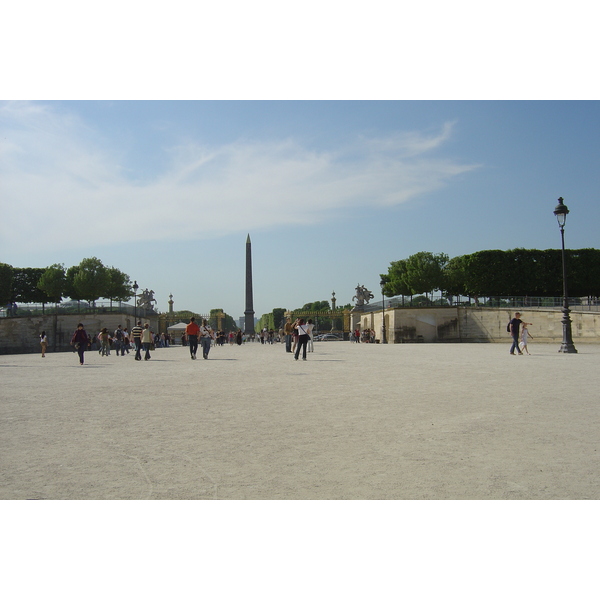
x=30, y=310
x=585, y=304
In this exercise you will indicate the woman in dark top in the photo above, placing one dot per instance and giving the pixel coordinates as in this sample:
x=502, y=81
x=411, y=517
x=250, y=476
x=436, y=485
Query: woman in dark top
x=80, y=341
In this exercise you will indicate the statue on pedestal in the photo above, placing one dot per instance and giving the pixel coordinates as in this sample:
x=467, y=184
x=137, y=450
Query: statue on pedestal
x=363, y=295
x=146, y=299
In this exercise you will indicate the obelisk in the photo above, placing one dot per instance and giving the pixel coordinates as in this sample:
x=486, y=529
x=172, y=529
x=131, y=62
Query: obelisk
x=249, y=312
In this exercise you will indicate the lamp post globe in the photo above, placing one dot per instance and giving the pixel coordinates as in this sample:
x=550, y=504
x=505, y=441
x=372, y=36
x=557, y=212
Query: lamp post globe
x=561, y=211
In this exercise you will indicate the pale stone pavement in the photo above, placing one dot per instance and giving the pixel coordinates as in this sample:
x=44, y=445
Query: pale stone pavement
x=355, y=421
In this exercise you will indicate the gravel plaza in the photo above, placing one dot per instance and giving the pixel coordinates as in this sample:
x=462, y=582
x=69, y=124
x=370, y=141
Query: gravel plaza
x=353, y=422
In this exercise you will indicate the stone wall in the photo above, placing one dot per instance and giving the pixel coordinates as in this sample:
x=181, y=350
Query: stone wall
x=404, y=325
x=20, y=335
x=471, y=324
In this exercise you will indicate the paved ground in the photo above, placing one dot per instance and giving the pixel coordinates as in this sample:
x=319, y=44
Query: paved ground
x=422, y=421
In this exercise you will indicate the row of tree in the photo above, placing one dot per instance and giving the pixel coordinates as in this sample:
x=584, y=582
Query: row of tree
x=89, y=280
x=489, y=273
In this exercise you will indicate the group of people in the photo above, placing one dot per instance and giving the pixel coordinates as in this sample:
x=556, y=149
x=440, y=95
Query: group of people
x=519, y=343
x=202, y=334
x=143, y=339
x=298, y=337
x=367, y=336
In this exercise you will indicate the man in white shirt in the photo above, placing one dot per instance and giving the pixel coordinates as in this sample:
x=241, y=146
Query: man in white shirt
x=206, y=336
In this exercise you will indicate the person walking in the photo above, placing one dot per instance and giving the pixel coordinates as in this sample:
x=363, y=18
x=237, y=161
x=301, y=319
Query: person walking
x=525, y=335
x=136, y=334
x=303, y=337
x=192, y=332
x=206, y=335
x=295, y=336
x=104, y=344
x=147, y=339
x=44, y=343
x=513, y=327
x=126, y=344
x=310, y=346
x=118, y=341
x=80, y=341
x=288, y=330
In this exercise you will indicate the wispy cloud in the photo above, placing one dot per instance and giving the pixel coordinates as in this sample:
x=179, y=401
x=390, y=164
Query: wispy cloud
x=59, y=182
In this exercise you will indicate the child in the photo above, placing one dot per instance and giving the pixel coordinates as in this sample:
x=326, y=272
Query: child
x=44, y=343
x=525, y=335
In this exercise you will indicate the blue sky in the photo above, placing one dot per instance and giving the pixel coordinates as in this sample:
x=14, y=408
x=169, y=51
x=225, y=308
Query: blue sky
x=330, y=191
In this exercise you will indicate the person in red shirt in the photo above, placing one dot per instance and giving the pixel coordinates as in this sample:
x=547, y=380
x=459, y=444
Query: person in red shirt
x=191, y=331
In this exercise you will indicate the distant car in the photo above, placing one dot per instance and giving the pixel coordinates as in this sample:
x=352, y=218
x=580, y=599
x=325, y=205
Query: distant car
x=328, y=337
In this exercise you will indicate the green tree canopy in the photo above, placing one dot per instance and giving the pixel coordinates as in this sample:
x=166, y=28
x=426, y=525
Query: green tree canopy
x=278, y=317
x=25, y=288
x=52, y=282
x=420, y=273
x=315, y=306
x=119, y=286
x=91, y=279
x=425, y=272
x=227, y=322
x=496, y=273
x=6, y=281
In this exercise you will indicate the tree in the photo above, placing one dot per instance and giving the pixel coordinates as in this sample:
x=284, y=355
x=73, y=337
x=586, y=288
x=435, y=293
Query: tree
x=273, y=320
x=522, y=272
x=24, y=286
x=52, y=282
x=583, y=272
x=70, y=290
x=119, y=286
x=317, y=305
x=6, y=281
x=455, y=276
x=227, y=321
x=278, y=318
x=395, y=282
x=425, y=272
x=91, y=279
x=321, y=322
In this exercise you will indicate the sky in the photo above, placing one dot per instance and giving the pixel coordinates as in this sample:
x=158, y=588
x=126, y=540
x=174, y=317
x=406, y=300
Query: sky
x=330, y=192
x=373, y=141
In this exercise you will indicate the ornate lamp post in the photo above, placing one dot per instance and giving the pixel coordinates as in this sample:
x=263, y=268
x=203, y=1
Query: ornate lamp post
x=561, y=212
x=135, y=289
x=383, y=332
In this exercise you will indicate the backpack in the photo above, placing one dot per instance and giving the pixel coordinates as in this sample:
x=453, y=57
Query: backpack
x=508, y=327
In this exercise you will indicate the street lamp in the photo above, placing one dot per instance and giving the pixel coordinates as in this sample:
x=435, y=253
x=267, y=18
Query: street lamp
x=383, y=333
x=135, y=289
x=561, y=212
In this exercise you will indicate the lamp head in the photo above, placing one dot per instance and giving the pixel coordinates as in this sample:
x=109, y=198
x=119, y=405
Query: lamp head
x=561, y=212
